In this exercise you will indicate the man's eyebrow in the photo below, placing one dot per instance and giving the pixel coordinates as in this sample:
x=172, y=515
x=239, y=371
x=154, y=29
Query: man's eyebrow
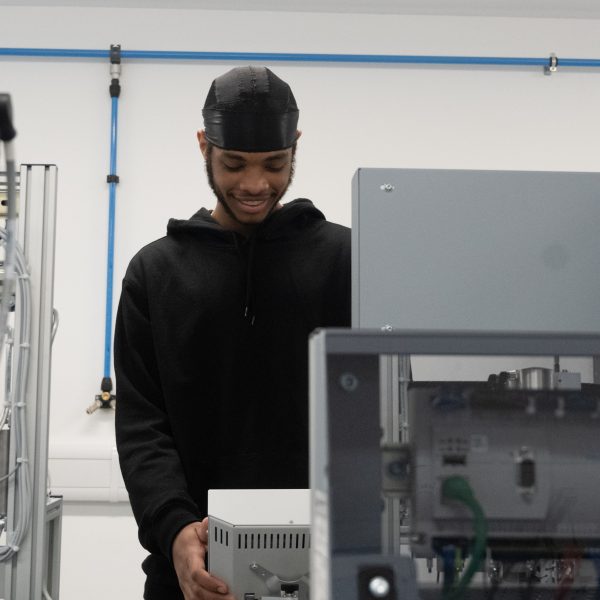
x=228, y=154
x=233, y=156
x=278, y=156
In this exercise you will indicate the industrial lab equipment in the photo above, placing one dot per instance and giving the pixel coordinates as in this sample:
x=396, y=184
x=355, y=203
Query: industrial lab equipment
x=447, y=250
x=259, y=542
x=502, y=470
x=527, y=442
x=31, y=518
x=490, y=480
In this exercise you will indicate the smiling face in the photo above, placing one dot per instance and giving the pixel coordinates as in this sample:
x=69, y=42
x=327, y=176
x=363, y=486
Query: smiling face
x=248, y=185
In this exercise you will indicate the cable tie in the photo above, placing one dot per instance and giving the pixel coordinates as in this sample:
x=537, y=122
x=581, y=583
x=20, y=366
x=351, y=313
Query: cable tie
x=20, y=404
x=14, y=548
x=24, y=276
x=21, y=460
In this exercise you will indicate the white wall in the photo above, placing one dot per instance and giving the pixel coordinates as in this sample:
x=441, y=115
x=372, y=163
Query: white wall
x=351, y=116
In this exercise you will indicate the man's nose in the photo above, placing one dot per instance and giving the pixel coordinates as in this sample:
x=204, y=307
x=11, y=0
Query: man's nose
x=254, y=182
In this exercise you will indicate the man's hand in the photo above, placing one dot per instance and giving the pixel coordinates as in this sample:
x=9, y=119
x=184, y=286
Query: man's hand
x=189, y=559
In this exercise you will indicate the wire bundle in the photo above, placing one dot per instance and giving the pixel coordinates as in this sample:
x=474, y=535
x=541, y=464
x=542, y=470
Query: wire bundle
x=9, y=238
x=458, y=489
x=16, y=406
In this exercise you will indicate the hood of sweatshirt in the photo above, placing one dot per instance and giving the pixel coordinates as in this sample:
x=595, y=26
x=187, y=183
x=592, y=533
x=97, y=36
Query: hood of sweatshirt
x=280, y=224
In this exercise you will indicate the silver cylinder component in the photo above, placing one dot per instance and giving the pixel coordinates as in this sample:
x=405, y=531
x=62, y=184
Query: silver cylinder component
x=536, y=378
x=530, y=378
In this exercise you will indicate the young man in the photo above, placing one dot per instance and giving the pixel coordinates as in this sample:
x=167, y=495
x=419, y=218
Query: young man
x=211, y=342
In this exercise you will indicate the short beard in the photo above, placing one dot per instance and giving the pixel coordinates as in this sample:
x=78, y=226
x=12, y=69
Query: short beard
x=221, y=199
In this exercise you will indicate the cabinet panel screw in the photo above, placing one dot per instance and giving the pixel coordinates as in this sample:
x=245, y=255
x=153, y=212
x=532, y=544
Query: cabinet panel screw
x=349, y=382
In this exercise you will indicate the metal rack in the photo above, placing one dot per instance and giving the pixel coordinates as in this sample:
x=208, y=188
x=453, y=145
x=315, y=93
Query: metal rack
x=33, y=572
x=351, y=464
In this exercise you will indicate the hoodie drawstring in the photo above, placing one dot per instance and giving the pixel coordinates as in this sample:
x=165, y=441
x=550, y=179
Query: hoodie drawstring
x=248, y=312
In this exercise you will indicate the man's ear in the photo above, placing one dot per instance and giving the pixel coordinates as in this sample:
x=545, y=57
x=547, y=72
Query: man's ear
x=202, y=141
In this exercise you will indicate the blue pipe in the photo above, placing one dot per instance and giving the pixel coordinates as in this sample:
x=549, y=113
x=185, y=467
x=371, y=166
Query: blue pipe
x=54, y=52
x=291, y=57
x=333, y=58
x=111, y=237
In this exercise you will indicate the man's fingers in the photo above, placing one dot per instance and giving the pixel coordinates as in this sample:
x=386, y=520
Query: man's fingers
x=204, y=579
x=195, y=581
x=203, y=531
x=204, y=586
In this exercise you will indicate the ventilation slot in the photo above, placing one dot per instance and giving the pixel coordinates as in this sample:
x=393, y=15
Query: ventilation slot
x=265, y=541
x=221, y=536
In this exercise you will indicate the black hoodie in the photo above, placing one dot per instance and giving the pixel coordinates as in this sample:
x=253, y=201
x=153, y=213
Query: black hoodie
x=211, y=360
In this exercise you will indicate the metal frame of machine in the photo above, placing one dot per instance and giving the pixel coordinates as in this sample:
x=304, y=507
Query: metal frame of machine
x=33, y=572
x=259, y=542
x=353, y=468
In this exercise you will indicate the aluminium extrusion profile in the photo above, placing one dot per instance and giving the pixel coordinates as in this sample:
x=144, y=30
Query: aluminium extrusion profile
x=37, y=562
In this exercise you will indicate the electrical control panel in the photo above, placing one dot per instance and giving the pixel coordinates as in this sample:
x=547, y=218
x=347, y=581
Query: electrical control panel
x=530, y=454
